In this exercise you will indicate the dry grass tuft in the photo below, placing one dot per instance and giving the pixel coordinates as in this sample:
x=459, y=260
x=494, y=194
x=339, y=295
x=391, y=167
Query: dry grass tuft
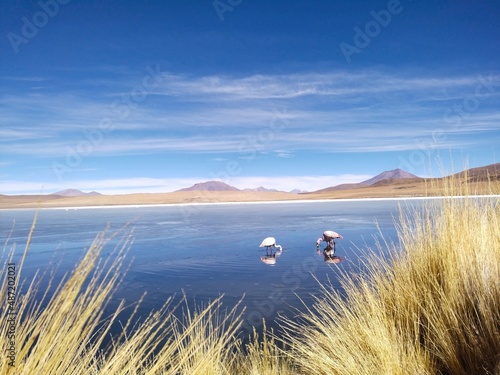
x=264, y=356
x=433, y=308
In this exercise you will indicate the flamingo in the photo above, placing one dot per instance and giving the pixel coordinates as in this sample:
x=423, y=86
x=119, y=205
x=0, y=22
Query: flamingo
x=270, y=258
x=329, y=236
x=270, y=242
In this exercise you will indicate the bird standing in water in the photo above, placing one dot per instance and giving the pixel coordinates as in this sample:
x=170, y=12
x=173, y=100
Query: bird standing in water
x=270, y=257
x=270, y=242
x=329, y=237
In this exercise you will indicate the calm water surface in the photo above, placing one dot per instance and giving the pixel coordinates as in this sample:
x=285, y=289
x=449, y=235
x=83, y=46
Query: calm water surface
x=209, y=250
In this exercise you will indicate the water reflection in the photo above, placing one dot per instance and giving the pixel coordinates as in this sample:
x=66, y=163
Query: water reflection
x=270, y=257
x=330, y=257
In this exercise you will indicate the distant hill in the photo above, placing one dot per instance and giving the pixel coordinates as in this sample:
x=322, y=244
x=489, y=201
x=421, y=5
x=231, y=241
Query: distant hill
x=491, y=172
x=395, y=174
x=75, y=193
x=382, y=178
x=341, y=187
x=298, y=191
x=262, y=189
x=210, y=186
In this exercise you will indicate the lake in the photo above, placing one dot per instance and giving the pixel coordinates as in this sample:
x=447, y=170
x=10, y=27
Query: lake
x=208, y=250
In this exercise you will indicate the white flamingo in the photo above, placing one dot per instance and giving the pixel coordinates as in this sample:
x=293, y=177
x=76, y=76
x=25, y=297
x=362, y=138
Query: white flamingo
x=270, y=258
x=270, y=242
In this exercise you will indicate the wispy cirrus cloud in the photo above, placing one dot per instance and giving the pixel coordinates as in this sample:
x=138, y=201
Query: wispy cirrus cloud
x=290, y=86
x=347, y=112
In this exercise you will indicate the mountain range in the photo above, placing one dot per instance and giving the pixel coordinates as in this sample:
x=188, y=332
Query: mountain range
x=394, y=178
x=387, y=176
x=222, y=186
x=491, y=172
x=390, y=184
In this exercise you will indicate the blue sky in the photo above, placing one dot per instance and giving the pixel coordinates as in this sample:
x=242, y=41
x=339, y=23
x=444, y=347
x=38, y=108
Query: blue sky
x=152, y=96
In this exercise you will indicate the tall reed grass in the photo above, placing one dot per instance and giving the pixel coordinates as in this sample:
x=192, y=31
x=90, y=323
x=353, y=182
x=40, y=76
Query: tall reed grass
x=67, y=332
x=431, y=307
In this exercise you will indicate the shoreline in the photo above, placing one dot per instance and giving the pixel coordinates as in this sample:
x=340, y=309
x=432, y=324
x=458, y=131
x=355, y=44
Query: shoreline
x=291, y=201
